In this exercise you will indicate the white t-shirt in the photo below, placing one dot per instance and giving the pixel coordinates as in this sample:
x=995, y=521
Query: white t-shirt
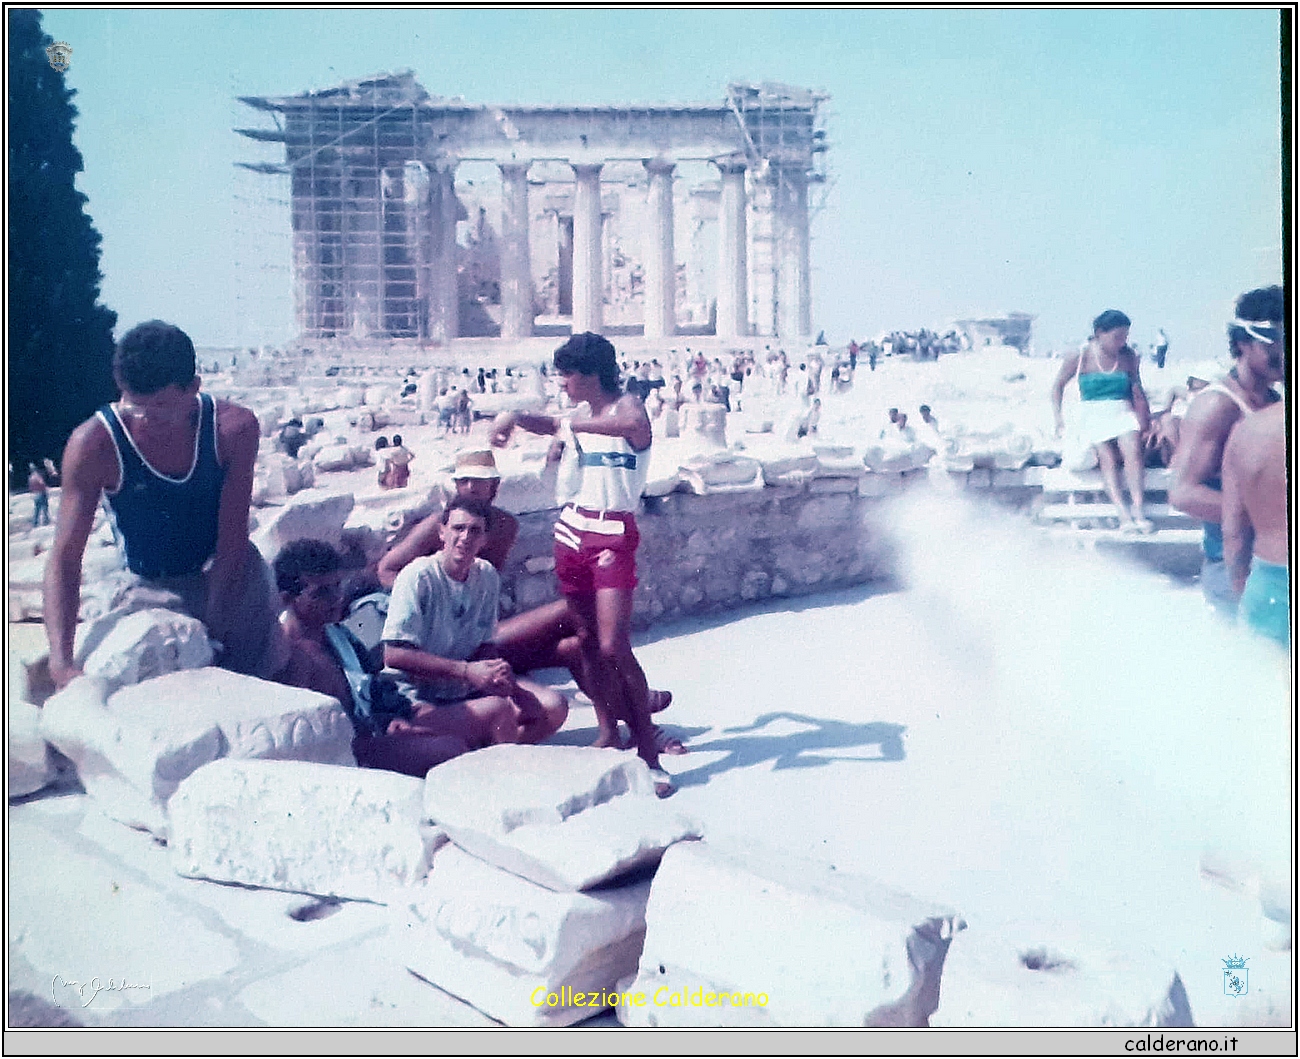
x=433, y=612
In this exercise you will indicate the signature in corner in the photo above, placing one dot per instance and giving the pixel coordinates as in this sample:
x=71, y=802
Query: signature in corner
x=94, y=986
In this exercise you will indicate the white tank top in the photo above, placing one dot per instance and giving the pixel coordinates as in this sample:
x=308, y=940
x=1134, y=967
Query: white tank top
x=613, y=473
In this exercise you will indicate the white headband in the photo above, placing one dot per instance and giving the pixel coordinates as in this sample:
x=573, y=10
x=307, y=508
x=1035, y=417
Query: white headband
x=1260, y=330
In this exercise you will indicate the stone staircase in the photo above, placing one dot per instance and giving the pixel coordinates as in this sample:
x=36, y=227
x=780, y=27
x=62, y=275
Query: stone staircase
x=1073, y=506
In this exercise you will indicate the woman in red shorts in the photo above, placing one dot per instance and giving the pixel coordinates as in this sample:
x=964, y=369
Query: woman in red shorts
x=596, y=536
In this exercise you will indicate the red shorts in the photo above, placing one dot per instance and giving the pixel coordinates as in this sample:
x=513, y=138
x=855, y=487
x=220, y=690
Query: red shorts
x=587, y=559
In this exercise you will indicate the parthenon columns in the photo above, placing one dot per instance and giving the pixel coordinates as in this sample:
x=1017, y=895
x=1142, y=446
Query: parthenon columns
x=733, y=296
x=588, y=268
x=516, y=267
x=444, y=300
x=660, y=264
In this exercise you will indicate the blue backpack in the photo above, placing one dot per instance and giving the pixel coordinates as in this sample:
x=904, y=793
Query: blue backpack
x=376, y=699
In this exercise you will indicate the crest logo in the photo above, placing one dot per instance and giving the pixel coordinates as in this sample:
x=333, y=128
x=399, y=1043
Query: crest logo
x=1236, y=976
x=60, y=55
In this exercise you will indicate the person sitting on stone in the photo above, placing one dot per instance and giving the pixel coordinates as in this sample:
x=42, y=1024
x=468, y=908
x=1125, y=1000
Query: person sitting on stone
x=176, y=468
x=292, y=438
x=308, y=575
x=441, y=618
x=475, y=476
x=542, y=638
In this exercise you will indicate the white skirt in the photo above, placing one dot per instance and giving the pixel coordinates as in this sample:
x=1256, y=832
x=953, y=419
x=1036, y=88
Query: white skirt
x=1103, y=420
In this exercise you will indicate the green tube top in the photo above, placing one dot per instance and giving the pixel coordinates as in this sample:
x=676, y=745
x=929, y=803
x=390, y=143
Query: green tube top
x=1105, y=386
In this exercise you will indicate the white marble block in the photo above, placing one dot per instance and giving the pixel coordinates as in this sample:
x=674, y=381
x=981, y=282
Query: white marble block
x=30, y=767
x=311, y=513
x=502, y=943
x=134, y=747
x=566, y=817
x=992, y=981
x=145, y=644
x=297, y=825
x=786, y=943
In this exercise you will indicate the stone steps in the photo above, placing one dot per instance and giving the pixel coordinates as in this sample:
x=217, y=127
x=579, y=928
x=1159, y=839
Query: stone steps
x=1093, y=515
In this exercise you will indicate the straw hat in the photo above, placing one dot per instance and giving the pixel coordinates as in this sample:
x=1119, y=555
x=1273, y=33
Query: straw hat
x=476, y=463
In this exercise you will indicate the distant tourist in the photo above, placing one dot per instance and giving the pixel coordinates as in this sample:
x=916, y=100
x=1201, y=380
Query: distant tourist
x=464, y=413
x=1113, y=412
x=292, y=438
x=36, y=485
x=927, y=417
x=596, y=536
x=1256, y=339
x=397, y=465
x=1161, y=349
x=176, y=468
x=1256, y=536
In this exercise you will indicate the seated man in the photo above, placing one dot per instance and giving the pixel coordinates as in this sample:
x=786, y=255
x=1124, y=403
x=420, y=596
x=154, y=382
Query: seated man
x=476, y=477
x=441, y=617
x=541, y=638
x=176, y=467
x=307, y=573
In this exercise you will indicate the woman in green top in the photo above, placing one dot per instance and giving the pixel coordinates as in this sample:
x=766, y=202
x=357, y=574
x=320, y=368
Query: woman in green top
x=1114, y=416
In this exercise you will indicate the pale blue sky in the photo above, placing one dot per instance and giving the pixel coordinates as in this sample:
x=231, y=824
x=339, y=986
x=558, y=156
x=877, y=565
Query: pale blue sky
x=1056, y=162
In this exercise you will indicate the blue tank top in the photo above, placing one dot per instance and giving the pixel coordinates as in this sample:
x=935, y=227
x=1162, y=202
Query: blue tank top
x=168, y=526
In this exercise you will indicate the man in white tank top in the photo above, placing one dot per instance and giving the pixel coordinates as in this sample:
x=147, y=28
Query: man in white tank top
x=596, y=536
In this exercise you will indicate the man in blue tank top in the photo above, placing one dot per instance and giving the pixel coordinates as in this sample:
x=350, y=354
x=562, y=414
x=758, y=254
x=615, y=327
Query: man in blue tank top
x=176, y=469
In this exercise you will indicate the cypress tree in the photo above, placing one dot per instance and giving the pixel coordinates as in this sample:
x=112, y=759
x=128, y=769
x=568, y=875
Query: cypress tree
x=60, y=339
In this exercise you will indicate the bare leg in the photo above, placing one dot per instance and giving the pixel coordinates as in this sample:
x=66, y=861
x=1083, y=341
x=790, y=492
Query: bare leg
x=541, y=710
x=478, y=722
x=608, y=697
x=410, y=753
x=614, y=638
x=1108, y=455
x=1130, y=445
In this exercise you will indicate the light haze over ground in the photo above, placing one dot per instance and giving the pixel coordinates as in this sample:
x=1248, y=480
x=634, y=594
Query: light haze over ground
x=1055, y=162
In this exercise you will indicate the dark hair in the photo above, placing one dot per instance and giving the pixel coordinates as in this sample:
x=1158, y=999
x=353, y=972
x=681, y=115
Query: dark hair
x=468, y=504
x=381, y=442
x=304, y=557
x=397, y=439
x=588, y=353
x=1109, y=320
x=924, y=408
x=1262, y=303
x=152, y=356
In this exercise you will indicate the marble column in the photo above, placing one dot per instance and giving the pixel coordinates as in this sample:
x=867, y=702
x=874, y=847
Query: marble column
x=660, y=263
x=588, y=268
x=516, y=260
x=800, y=247
x=733, y=266
x=444, y=301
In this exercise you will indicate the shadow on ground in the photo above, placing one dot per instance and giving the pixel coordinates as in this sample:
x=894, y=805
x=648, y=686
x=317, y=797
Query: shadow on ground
x=795, y=750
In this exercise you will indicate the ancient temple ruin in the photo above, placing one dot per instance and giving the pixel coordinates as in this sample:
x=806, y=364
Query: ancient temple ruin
x=673, y=218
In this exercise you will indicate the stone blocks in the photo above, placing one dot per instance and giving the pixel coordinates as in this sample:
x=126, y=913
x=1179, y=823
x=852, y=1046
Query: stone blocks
x=133, y=748
x=832, y=950
x=30, y=767
x=145, y=644
x=991, y=981
x=301, y=826
x=504, y=944
x=310, y=513
x=568, y=818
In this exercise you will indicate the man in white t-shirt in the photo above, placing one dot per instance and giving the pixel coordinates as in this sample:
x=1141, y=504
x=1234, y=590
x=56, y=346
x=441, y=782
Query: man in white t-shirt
x=441, y=617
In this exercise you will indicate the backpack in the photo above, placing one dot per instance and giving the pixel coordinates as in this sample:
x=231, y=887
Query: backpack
x=376, y=699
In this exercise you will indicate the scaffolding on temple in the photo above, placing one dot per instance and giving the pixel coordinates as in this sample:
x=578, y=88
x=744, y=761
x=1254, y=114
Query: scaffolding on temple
x=361, y=200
